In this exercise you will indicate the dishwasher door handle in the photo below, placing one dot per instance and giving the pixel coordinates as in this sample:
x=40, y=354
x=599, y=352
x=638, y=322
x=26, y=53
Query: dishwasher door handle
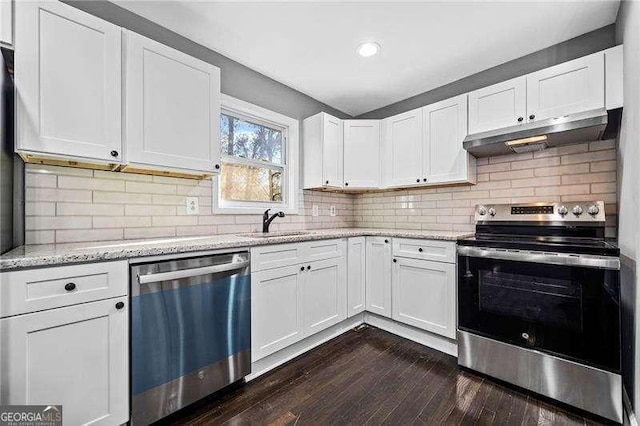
x=193, y=272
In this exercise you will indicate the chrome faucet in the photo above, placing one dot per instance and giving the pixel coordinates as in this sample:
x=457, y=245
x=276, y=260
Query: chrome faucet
x=266, y=220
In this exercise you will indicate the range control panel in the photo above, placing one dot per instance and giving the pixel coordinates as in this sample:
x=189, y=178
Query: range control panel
x=582, y=211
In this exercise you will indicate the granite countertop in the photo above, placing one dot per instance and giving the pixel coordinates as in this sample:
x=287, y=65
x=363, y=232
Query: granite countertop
x=31, y=256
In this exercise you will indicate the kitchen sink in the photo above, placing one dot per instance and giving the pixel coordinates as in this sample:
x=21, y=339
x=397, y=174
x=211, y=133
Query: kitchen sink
x=274, y=234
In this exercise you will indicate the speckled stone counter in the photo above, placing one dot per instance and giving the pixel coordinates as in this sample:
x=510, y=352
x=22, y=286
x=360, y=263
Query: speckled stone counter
x=32, y=256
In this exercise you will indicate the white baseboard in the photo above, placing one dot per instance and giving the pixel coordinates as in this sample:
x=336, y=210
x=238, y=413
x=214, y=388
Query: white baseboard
x=274, y=360
x=425, y=338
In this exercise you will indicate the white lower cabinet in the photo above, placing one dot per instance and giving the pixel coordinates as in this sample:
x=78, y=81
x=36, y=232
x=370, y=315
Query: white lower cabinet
x=356, y=275
x=424, y=295
x=75, y=356
x=378, y=276
x=276, y=309
x=325, y=294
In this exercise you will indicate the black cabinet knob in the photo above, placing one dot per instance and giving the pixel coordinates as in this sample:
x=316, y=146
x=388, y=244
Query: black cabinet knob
x=70, y=286
x=425, y=179
x=386, y=241
x=302, y=268
x=119, y=305
x=114, y=153
x=326, y=183
x=420, y=249
x=395, y=260
x=308, y=267
x=520, y=119
x=418, y=180
x=217, y=166
x=346, y=184
x=532, y=116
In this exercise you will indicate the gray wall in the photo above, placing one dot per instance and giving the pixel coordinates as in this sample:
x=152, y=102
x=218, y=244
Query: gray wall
x=628, y=32
x=238, y=80
x=585, y=44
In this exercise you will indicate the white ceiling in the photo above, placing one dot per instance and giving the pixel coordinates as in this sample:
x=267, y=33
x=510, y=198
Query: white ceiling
x=310, y=45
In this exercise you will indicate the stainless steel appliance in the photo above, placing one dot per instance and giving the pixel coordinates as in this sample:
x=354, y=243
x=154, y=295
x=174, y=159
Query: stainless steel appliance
x=190, y=331
x=539, y=302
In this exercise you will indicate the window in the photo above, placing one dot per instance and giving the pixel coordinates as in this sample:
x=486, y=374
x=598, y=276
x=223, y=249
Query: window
x=259, y=160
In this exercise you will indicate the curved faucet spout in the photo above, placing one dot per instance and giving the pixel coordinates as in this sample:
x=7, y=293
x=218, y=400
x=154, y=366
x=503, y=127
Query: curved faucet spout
x=266, y=220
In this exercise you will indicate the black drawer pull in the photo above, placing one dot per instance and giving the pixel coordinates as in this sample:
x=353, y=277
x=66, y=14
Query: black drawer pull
x=119, y=305
x=70, y=286
x=395, y=260
x=308, y=267
x=302, y=268
x=420, y=249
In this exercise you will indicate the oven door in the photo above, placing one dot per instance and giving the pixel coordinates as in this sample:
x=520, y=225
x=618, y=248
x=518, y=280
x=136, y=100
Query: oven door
x=566, y=305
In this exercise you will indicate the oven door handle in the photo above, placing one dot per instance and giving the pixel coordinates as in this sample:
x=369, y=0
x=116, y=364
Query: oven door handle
x=564, y=259
x=193, y=272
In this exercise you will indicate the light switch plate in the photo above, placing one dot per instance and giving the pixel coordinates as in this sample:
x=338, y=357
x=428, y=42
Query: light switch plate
x=332, y=211
x=314, y=210
x=192, y=205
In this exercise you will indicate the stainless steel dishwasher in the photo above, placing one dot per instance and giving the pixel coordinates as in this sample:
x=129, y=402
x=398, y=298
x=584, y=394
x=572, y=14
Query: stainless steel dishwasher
x=190, y=331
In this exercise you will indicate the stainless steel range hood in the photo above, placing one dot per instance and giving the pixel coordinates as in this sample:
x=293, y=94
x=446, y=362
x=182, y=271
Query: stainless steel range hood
x=538, y=135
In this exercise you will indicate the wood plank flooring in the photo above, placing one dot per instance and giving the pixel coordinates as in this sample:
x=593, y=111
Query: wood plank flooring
x=373, y=377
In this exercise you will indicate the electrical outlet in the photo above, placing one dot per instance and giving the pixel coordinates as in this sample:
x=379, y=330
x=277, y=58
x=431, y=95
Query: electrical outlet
x=332, y=211
x=192, y=205
x=314, y=210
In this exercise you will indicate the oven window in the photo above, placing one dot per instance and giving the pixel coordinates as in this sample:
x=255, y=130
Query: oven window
x=568, y=311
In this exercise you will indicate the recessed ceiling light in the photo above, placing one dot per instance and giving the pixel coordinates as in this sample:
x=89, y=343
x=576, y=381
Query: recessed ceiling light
x=368, y=48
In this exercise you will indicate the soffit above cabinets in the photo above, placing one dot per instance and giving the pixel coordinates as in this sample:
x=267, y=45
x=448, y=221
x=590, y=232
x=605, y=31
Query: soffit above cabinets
x=311, y=45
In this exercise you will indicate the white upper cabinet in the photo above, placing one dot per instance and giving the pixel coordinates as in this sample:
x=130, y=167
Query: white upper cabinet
x=172, y=108
x=567, y=88
x=6, y=22
x=68, y=82
x=445, y=127
x=613, y=61
x=501, y=105
x=361, y=154
x=323, y=151
x=403, y=148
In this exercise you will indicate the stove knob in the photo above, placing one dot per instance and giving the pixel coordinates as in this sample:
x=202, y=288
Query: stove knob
x=482, y=210
x=577, y=210
x=593, y=210
x=492, y=211
x=562, y=211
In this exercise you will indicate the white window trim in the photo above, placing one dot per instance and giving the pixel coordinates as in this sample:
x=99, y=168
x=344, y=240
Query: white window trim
x=292, y=163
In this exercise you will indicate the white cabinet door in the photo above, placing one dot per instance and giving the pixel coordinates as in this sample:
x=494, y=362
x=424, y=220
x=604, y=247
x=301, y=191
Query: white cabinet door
x=276, y=310
x=322, y=149
x=68, y=82
x=378, y=275
x=501, y=105
x=424, y=295
x=356, y=275
x=613, y=62
x=403, y=149
x=445, y=127
x=361, y=154
x=172, y=108
x=76, y=357
x=325, y=294
x=6, y=22
x=332, y=135
x=567, y=88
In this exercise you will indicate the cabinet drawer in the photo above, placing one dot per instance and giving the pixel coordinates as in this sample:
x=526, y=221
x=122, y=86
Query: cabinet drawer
x=276, y=256
x=324, y=249
x=438, y=251
x=46, y=288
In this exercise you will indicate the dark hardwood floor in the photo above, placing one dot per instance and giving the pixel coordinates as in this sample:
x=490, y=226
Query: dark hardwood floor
x=370, y=376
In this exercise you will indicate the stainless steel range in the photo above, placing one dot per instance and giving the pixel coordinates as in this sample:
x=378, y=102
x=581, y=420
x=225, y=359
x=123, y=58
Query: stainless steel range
x=538, y=302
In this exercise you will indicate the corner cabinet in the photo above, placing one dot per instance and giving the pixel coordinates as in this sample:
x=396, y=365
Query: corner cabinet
x=378, y=276
x=68, y=83
x=361, y=154
x=356, y=275
x=322, y=151
x=445, y=127
x=75, y=356
x=172, y=108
